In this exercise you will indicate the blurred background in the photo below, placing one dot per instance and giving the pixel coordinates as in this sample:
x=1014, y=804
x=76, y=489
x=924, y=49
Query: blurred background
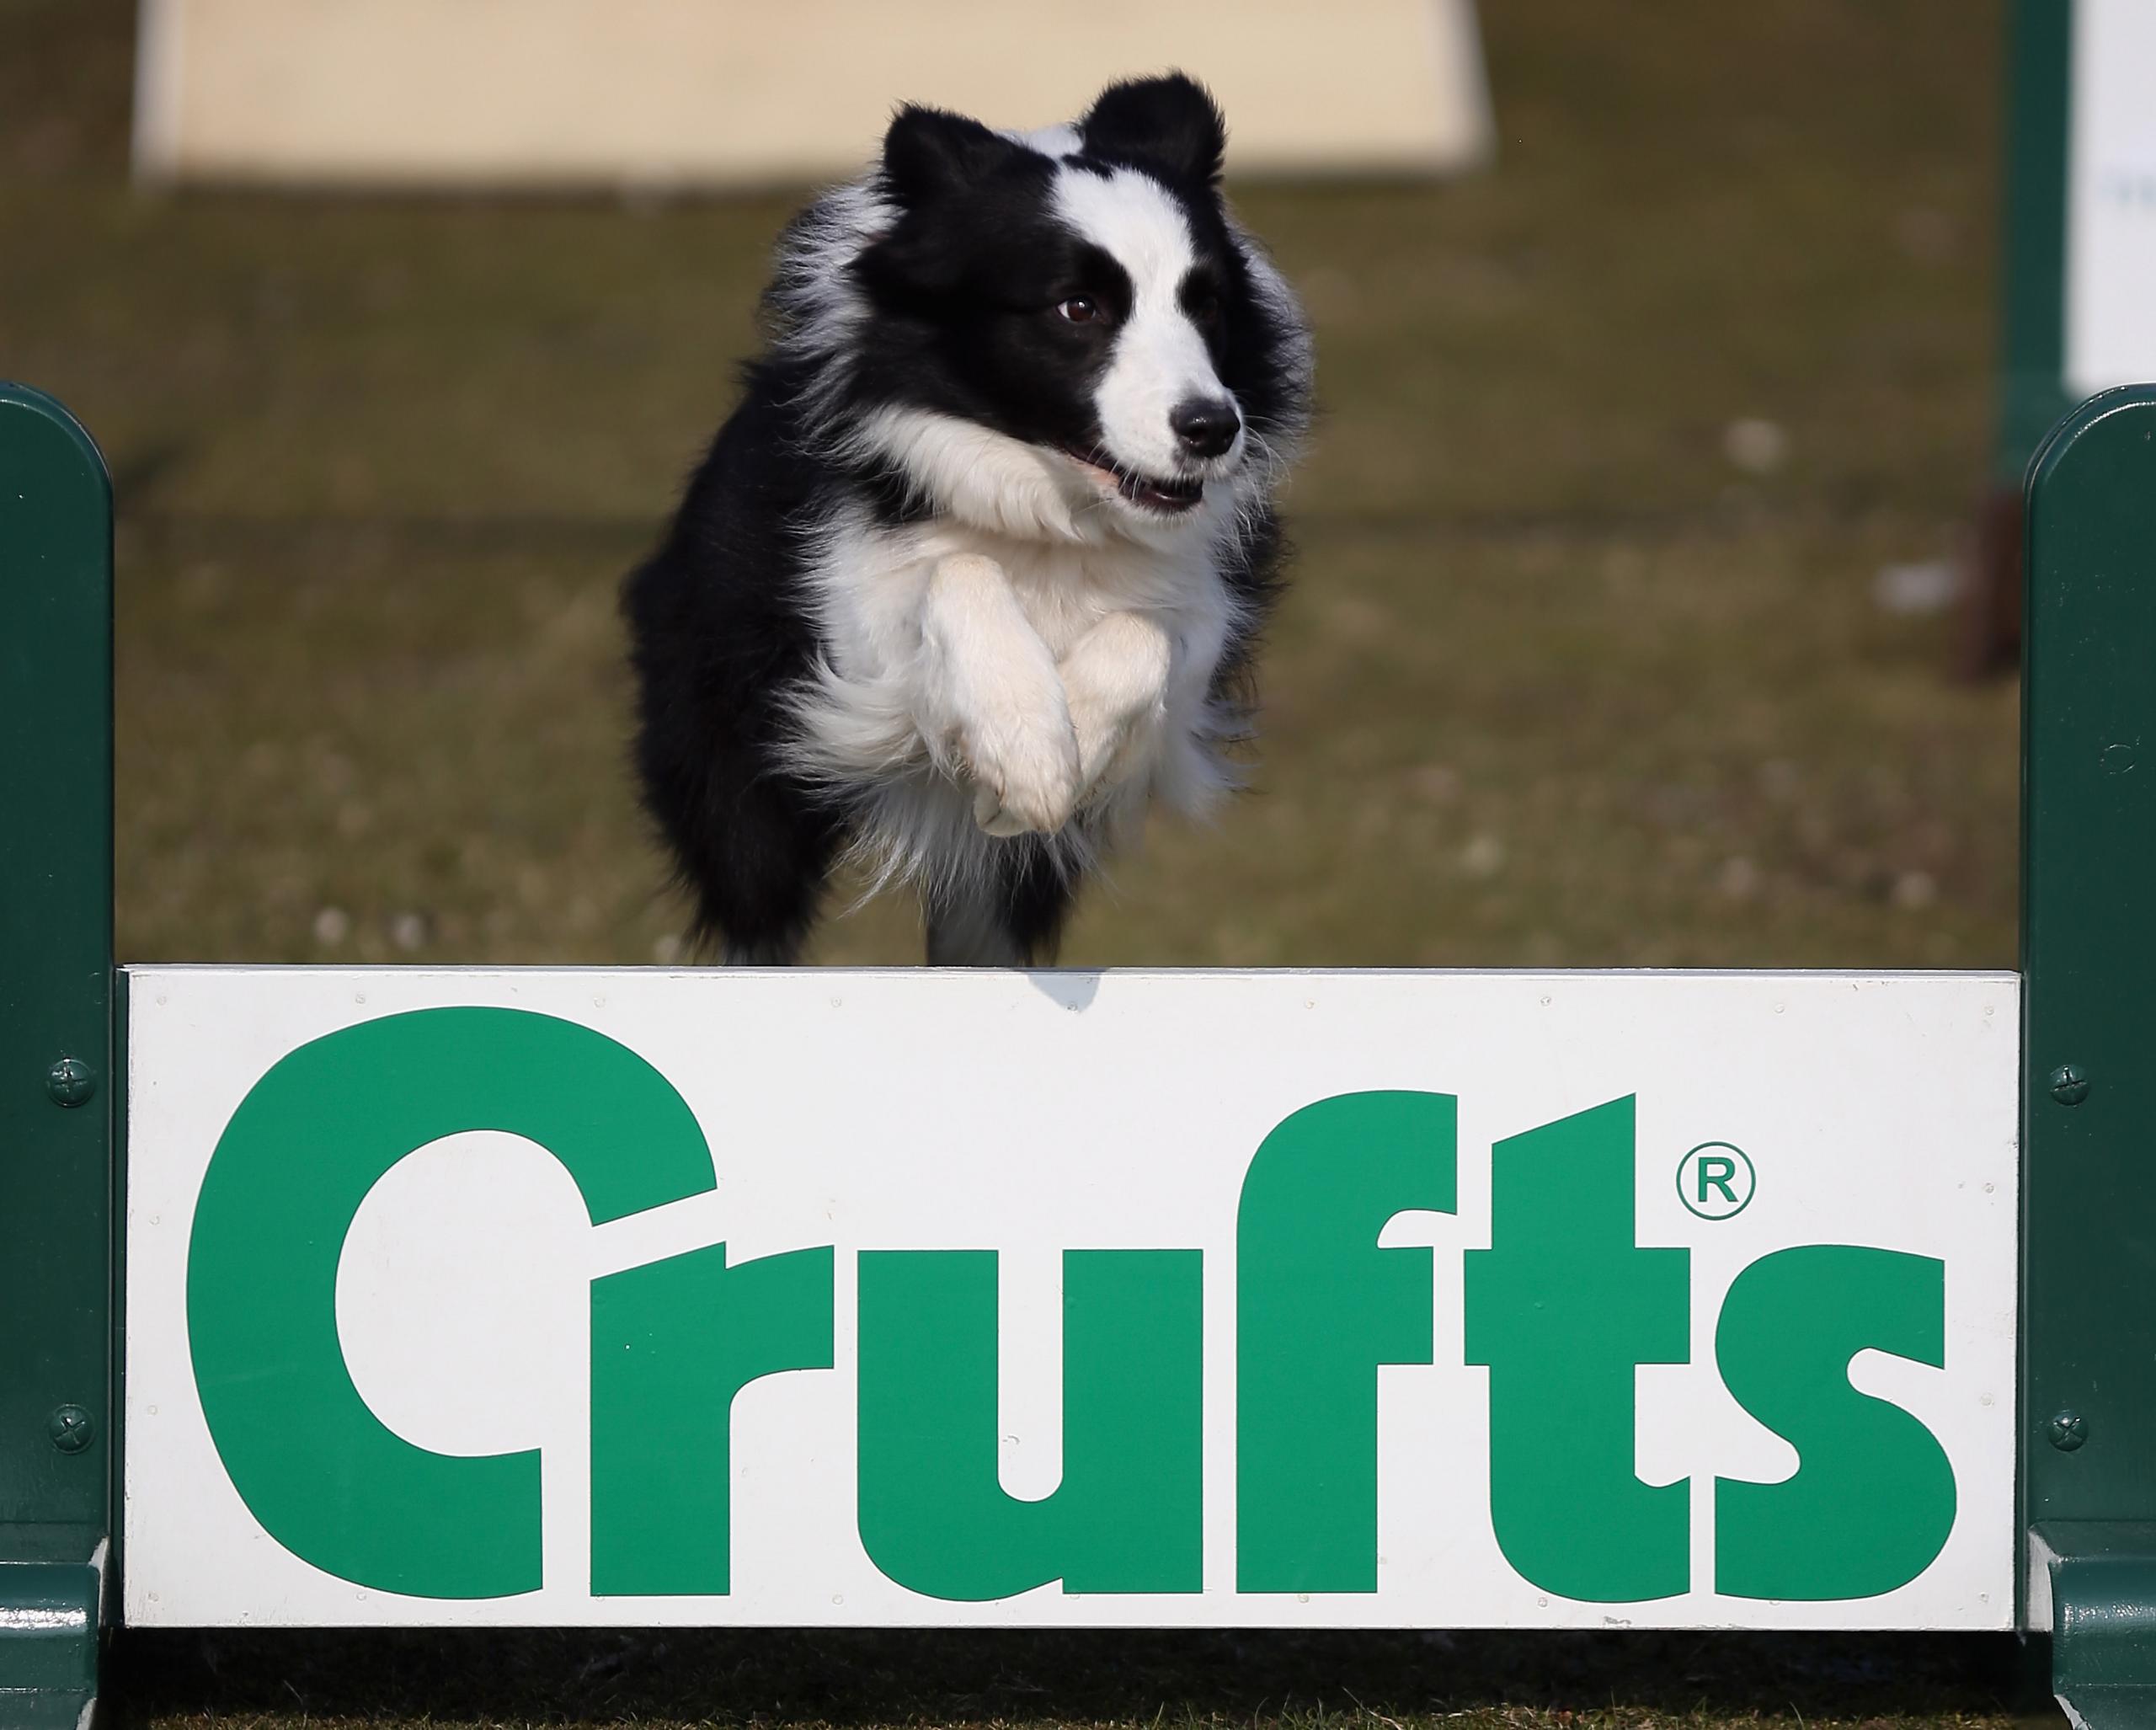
x=1658, y=403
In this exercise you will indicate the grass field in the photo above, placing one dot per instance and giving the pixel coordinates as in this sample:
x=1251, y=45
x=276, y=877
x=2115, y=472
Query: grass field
x=1559, y=684
x=1562, y=682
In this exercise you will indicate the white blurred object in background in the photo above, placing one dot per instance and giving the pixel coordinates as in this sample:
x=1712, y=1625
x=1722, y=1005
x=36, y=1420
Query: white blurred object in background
x=2110, y=203
x=655, y=94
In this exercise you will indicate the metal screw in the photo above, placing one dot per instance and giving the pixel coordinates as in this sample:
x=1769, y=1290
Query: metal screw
x=2069, y=1430
x=71, y=1428
x=2069, y=1085
x=70, y=1081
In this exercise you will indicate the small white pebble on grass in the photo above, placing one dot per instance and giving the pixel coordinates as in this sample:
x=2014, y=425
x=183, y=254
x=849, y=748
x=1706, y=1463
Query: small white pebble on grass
x=1913, y=889
x=409, y=931
x=331, y=925
x=1756, y=446
x=1484, y=856
x=1932, y=586
x=667, y=950
x=1739, y=880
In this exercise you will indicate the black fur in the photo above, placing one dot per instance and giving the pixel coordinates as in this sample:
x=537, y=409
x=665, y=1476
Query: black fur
x=719, y=628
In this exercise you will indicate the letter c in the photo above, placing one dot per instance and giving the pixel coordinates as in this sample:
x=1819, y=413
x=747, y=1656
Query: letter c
x=325, y=1477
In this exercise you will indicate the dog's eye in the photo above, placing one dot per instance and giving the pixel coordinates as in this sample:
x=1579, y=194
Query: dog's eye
x=1083, y=309
x=1206, y=309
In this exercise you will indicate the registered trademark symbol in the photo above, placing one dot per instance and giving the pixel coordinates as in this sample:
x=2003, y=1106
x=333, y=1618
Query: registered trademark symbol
x=1714, y=1180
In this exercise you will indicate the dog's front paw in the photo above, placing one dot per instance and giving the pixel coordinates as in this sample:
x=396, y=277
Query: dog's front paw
x=1115, y=684
x=1026, y=775
x=1113, y=746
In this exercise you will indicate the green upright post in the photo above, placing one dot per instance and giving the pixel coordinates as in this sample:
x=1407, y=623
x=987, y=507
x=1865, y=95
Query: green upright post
x=2032, y=289
x=2032, y=389
x=57, y=1088
x=2088, y=1057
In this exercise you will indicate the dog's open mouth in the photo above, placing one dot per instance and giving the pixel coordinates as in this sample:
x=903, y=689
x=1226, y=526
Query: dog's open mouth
x=1169, y=498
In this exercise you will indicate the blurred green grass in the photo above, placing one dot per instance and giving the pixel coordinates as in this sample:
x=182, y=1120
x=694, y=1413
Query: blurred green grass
x=1559, y=683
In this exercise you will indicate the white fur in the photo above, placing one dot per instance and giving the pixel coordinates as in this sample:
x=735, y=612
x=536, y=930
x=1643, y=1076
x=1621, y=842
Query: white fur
x=813, y=297
x=1115, y=684
x=1160, y=358
x=989, y=692
x=985, y=478
x=899, y=707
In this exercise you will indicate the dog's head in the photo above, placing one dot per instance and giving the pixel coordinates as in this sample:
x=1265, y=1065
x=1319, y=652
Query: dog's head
x=1064, y=332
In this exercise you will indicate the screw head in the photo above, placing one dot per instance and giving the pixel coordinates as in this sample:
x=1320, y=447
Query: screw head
x=2069, y=1430
x=2069, y=1085
x=71, y=1428
x=70, y=1081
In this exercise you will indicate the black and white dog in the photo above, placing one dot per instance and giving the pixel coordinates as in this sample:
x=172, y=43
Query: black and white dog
x=974, y=571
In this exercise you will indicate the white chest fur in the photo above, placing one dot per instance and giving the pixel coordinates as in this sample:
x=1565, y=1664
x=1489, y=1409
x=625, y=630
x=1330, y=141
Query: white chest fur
x=975, y=684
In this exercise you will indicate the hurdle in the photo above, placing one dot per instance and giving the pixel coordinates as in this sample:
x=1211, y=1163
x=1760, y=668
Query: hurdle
x=398, y=1296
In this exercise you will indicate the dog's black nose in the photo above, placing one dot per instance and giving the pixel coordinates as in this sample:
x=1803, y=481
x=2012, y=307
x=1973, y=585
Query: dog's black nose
x=1206, y=425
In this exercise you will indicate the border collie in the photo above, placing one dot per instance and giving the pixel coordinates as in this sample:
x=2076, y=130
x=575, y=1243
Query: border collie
x=975, y=572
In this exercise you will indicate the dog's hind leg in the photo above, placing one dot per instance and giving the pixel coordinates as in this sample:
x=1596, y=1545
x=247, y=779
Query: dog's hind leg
x=1015, y=919
x=758, y=861
x=965, y=929
x=770, y=952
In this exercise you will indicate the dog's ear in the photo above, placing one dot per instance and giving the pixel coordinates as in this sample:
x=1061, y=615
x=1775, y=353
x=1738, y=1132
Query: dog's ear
x=928, y=154
x=1171, y=120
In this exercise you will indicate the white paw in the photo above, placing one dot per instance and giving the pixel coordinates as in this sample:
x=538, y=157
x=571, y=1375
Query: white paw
x=1115, y=683
x=1113, y=748
x=1100, y=735
x=1106, y=747
x=1025, y=775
